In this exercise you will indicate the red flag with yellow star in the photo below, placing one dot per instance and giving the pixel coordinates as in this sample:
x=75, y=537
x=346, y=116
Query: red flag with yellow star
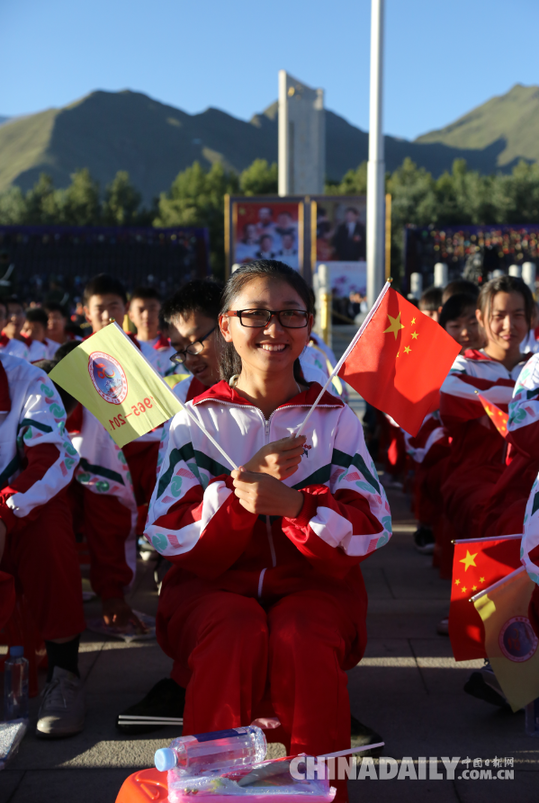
x=497, y=416
x=477, y=564
x=400, y=361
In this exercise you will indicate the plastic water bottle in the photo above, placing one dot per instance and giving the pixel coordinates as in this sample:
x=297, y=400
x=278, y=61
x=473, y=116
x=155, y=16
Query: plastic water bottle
x=16, y=685
x=532, y=718
x=213, y=753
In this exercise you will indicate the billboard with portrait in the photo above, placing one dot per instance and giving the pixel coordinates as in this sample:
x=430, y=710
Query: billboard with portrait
x=265, y=228
x=338, y=240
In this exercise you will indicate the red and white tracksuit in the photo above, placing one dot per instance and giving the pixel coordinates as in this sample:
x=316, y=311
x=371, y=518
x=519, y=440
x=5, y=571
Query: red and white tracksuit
x=478, y=451
x=259, y=604
x=429, y=450
x=37, y=462
x=523, y=426
x=103, y=500
x=504, y=513
x=14, y=347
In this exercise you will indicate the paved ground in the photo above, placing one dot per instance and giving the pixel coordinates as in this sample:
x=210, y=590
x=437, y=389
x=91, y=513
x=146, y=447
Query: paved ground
x=407, y=687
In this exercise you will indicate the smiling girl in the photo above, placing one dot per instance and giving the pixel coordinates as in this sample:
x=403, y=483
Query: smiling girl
x=478, y=451
x=265, y=600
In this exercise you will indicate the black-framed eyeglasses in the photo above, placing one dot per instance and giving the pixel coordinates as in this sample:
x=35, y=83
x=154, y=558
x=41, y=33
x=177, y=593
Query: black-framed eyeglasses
x=193, y=349
x=258, y=318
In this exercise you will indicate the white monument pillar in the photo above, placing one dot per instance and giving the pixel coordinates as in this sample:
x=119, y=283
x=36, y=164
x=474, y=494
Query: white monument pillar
x=441, y=274
x=376, y=164
x=302, y=138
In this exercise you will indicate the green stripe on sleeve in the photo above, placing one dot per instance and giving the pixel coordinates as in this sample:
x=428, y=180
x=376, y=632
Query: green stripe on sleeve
x=31, y=422
x=345, y=461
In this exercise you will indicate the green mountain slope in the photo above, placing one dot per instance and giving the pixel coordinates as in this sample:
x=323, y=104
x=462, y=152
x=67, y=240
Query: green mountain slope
x=511, y=120
x=111, y=131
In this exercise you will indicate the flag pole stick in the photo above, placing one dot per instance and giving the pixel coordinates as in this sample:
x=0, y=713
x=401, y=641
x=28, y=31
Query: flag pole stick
x=339, y=365
x=207, y=434
x=497, y=584
x=186, y=409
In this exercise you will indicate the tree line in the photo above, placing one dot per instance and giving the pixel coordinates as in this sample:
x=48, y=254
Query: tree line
x=195, y=198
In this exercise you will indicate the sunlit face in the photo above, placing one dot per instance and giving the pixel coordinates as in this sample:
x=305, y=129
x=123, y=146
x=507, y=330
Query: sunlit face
x=465, y=330
x=34, y=330
x=144, y=313
x=507, y=325
x=15, y=319
x=56, y=324
x=273, y=348
x=102, y=309
x=184, y=330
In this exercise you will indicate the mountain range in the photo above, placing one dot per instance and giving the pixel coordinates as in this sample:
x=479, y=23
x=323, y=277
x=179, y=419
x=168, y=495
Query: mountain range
x=111, y=131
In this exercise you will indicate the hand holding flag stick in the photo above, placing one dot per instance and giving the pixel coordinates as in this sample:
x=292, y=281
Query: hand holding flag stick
x=397, y=361
x=347, y=352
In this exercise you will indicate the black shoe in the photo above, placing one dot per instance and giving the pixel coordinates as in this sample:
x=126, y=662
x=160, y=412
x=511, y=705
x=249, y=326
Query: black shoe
x=363, y=735
x=424, y=540
x=484, y=686
x=166, y=700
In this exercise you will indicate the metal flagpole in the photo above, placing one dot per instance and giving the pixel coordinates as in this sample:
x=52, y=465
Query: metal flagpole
x=376, y=164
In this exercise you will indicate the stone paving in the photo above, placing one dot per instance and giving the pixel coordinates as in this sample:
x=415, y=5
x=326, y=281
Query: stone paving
x=407, y=687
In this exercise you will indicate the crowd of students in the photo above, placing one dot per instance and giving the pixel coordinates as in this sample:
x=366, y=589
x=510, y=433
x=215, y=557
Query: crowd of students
x=265, y=559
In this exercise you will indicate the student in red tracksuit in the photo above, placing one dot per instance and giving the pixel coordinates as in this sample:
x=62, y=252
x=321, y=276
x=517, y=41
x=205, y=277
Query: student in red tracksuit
x=504, y=513
x=478, y=451
x=37, y=545
x=266, y=591
x=103, y=492
x=430, y=448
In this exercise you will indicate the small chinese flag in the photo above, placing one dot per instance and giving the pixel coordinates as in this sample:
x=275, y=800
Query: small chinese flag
x=400, y=362
x=497, y=416
x=477, y=564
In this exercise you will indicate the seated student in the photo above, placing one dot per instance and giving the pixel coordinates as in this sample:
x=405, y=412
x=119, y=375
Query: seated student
x=34, y=330
x=104, y=492
x=144, y=310
x=430, y=302
x=9, y=343
x=37, y=545
x=59, y=328
x=429, y=449
x=477, y=449
x=266, y=586
x=504, y=512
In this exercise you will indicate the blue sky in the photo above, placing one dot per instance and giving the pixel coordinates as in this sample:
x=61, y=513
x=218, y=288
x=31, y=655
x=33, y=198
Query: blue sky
x=441, y=58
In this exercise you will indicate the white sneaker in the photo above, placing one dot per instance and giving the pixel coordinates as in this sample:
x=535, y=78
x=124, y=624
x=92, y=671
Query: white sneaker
x=62, y=709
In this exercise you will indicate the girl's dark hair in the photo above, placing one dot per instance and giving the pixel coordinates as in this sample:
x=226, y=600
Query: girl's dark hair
x=456, y=306
x=505, y=284
x=261, y=269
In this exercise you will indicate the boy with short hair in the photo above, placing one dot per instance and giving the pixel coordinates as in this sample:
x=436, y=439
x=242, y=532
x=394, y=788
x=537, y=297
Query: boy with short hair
x=430, y=302
x=9, y=344
x=144, y=310
x=59, y=327
x=104, y=488
x=37, y=545
x=34, y=330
